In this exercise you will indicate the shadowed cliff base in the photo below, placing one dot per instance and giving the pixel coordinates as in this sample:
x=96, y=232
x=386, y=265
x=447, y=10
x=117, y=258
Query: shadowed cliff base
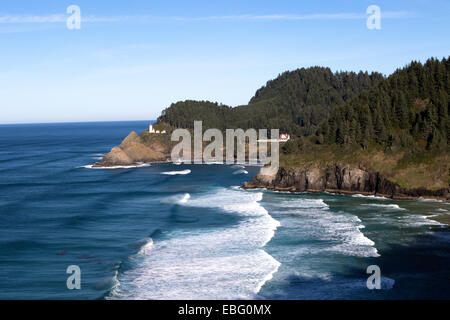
x=402, y=174
x=341, y=178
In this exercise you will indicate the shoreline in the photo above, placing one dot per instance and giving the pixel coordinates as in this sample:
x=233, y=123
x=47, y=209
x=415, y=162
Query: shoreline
x=141, y=164
x=442, y=219
x=346, y=192
x=287, y=189
x=128, y=166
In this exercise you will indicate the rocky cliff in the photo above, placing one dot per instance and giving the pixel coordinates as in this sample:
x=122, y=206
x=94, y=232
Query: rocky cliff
x=134, y=150
x=339, y=178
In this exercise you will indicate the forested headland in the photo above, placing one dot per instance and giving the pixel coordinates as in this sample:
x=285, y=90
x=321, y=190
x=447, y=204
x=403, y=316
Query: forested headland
x=398, y=125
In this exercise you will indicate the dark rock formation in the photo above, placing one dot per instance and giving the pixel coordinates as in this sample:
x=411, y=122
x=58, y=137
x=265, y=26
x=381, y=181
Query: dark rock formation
x=339, y=178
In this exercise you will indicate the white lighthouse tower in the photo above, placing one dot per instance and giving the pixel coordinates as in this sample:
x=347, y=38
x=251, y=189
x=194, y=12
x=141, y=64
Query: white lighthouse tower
x=151, y=129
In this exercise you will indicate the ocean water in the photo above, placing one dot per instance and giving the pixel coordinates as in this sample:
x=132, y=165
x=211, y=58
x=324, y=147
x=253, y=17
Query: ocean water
x=169, y=231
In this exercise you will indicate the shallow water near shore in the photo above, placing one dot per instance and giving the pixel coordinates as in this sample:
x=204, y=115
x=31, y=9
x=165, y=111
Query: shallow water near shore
x=169, y=231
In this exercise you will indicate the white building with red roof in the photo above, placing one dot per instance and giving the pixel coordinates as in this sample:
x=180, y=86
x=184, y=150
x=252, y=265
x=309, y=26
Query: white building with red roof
x=284, y=137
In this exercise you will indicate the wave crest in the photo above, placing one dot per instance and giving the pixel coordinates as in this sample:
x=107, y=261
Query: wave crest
x=242, y=171
x=219, y=263
x=181, y=172
x=394, y=207
x=176, y=199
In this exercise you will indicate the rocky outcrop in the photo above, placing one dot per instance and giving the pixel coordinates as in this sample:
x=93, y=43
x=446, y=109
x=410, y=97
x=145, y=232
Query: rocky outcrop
x=132, y=151
x=339, y=178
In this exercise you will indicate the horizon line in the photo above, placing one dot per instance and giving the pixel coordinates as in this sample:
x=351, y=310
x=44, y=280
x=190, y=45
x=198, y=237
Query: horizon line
x=68, y=122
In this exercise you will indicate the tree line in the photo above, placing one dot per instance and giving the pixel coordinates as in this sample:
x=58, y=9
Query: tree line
x=295, y=102
x=408, y=109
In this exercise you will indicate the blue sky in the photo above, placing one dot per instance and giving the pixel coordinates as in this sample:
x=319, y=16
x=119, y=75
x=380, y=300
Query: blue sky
x=131, y=59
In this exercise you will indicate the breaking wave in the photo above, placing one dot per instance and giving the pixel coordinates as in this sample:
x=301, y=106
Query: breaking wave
x=391, y=207
x=429, y=200
x=176, y=199
x=91, y=166
x=242, y=171
x=172, y=173
x=416, y=220
x=146, y=248
x=219, y=263
x=369, y=196
x=341, y=230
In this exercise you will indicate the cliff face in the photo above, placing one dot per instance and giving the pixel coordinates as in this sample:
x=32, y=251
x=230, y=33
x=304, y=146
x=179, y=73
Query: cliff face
x=133, y=150
x=340, y=178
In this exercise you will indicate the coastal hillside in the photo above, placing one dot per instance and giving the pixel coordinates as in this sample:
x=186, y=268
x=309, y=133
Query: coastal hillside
x=398, y=132
x=138, y=149
x=410, y=109
x=392, y=133
x=296, y=102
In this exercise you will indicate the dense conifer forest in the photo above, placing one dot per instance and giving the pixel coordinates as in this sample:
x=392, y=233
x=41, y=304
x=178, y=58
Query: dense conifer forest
x=296, y=102
x=409, y=109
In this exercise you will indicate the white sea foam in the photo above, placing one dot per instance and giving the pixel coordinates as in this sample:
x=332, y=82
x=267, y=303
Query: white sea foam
x=115, y=281
x=242, y=171
x=355, y=244
x=309, y=273
x=392, y=207
x=176, y=199
x=219, y=263
x=416, y=220
x=185, y=198
x=91, y=166
x=279, y=191
x=304, y=203
x=369, y=196
x=260, y=223
x=172, y=173
x=313, y=221
x=429, y=200
x=174, y=275
x=146, y=248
